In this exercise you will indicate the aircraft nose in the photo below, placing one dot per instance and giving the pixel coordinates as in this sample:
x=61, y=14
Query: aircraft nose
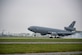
x=29, y=28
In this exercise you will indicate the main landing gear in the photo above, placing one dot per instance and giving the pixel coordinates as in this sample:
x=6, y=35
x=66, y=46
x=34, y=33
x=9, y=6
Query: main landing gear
x=54, y=36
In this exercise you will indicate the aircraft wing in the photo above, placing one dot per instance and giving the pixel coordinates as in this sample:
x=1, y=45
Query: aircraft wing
x=61, y=33
x=78, y=31
x=66, y=32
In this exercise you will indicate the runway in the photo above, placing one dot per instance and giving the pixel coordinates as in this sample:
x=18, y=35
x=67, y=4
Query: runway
x=53, y=53
x=40, y=42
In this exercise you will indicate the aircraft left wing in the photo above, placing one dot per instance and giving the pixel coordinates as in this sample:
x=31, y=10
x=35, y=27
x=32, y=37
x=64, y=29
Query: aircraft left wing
x=61, y=33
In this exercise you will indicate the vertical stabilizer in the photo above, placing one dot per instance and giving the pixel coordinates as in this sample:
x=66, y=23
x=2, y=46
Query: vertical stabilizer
x=71, y=27
x=72, y=24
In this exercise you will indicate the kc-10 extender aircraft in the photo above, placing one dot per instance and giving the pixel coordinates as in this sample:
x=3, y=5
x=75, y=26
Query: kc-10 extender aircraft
x=54, y=32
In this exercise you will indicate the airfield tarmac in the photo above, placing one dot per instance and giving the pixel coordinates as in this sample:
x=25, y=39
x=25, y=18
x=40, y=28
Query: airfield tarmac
x=40, y=42
x=53, y=53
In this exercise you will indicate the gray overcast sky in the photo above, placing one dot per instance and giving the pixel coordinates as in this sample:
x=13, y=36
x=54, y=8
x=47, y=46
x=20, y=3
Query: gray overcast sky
x=18, y=15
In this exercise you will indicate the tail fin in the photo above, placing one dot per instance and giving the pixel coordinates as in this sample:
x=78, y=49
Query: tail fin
x=70, y=27
x=72, y=24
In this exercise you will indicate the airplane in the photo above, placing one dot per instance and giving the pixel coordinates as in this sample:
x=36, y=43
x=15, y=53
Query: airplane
x=70, y=30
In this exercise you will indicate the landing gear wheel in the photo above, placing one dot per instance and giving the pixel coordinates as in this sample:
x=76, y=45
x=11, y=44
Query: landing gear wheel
x=50, y=37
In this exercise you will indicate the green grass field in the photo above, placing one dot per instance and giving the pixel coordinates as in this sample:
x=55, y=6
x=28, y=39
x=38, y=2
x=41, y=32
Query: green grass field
x=36, y=39
x=38, y=48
